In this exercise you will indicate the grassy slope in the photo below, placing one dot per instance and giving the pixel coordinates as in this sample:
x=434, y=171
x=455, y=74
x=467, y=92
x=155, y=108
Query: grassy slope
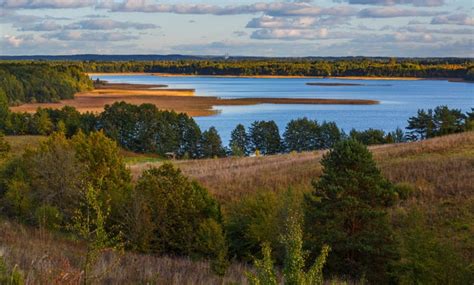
x=440, y=170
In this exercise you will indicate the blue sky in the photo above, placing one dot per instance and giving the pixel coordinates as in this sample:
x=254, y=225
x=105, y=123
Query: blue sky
x=255, y=28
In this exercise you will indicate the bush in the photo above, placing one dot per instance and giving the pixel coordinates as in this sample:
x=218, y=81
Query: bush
x=179, y=216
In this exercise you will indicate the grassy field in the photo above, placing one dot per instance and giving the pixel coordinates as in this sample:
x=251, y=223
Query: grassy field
x=440, y=171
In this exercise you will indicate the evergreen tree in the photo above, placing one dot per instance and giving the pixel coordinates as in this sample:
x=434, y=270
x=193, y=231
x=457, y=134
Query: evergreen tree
x=239, y=142
x=330, y=134
x=211, y=144
x=348, y=211
x=448, y=121
x=301, y=135
x=421, y=126
x=265, y=137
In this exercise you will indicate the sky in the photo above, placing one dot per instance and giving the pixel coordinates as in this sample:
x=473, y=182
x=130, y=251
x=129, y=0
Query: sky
x=289, y=28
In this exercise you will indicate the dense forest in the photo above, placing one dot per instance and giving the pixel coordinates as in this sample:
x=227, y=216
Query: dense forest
x=441, y=68
x=41, y=82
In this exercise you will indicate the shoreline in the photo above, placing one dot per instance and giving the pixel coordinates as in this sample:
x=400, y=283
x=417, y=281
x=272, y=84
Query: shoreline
x=278, y=76
x=178, y=100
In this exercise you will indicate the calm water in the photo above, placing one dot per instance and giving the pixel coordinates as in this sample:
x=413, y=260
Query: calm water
x=399, y=99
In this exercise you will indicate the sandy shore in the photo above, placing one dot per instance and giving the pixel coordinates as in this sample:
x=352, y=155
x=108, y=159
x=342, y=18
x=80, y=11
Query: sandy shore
x=179, y=100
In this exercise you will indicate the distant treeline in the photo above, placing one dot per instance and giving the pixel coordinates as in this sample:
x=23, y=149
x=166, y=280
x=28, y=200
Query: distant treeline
x=423, y=68
x=24, y=82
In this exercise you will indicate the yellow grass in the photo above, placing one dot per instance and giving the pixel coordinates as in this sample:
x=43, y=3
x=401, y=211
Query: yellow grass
x=179, y=100
x=445, y=164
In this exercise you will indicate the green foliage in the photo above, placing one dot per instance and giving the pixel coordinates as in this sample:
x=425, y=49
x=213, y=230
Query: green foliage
x=265, y=137
x=441, y=121
x=50, y=178
x=384, y=67
x=4, y=146
x=239, y=142
x=211, y=243
x=258, y=219
x=370, y=136
x=146, y=129
x=348, y=211
x=302, y=135
x=265, y=272
x=41, y=82
x=10, y=277
x=4, y=109
x=426, y=259
x=294, y=263
x=211, y=144
x=49, y=217
x=89, y=223
x=177, y=213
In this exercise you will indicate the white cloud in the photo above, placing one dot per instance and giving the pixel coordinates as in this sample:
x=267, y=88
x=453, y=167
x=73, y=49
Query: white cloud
x=419, y=3
x=454, y=19
x=392, y=12
x=45, y=4
x=108, y=24
x=290, y=34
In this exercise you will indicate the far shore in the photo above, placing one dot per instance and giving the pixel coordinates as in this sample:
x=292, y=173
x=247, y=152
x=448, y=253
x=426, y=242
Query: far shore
x=254, y=76
x=179, y=100
x=277, y=76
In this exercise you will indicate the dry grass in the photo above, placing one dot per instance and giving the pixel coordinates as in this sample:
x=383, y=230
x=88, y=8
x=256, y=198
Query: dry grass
x=442, y=165
x=179, y=100
x=48, y=259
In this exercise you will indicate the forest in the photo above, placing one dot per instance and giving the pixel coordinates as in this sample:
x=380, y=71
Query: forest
x=391, y=67
x=23, y=82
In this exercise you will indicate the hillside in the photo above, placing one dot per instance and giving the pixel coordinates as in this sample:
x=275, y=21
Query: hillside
x=440, y=172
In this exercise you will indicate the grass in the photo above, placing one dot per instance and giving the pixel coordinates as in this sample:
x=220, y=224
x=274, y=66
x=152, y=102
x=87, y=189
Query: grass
x=20, y=143
x=47, y=258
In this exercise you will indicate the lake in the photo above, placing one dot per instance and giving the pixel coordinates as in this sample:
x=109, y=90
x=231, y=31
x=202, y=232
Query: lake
x=399, y=99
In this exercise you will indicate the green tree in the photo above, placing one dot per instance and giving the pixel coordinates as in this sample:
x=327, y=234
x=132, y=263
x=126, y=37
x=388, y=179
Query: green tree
x=239, y=142
x=89, y=222
x=369, y=137
x=4, y=109
x=178, y=214
x=448, y=121
x=421, y=126
x=211, y=144
x=265, y=137
x=301, y=135
x=348, y=211
x=294, y=263
x=330, y=134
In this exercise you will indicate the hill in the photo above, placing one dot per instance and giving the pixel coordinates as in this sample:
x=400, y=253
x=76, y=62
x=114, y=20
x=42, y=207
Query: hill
x=438, y=171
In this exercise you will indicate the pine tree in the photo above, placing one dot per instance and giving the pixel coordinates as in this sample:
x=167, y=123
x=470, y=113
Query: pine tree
x=239, y=142
x=211, y=144
x=348, y=211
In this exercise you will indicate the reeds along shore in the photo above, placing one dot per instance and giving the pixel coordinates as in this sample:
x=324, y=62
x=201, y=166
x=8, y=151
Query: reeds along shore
x=179, y=100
